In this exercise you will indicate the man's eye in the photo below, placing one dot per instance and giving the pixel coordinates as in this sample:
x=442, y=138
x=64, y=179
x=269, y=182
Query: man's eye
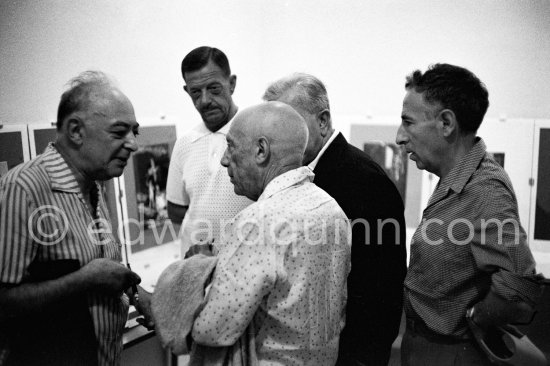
x=215, y=89
x=120, y=133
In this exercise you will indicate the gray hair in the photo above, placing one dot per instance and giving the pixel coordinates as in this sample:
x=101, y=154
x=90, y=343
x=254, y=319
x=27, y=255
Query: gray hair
x=310, y=93
x=81, y=90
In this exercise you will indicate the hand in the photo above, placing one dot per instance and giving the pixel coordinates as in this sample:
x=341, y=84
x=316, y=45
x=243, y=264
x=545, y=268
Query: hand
x=108, y=276
x=143, y=306
x=205, y=249
x=495, y=311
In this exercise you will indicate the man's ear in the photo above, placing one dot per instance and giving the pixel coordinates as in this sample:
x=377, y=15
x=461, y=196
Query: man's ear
x=232, y=83
x=323, y=118
x=262, y=150
x=448, y=122
x=75, y=130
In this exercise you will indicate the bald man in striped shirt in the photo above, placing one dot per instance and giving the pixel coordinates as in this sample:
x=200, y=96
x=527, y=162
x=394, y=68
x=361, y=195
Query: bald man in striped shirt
x=62, y=285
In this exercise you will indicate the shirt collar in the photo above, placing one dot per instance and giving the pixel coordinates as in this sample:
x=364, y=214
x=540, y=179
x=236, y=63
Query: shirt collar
x=313, y=164
x=200, y=130
x=460, y=174
x=61, y=176
x=293, y=177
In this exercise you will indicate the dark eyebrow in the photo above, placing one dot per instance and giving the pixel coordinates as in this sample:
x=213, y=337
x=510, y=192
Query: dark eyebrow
x=125, y=124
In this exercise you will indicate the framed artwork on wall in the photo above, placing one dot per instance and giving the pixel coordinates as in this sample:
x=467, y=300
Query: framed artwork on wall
x=151, y=239
x=14, y=146
x=392, y=159
x=40, y=135
x=499, y=157
x=540, y=199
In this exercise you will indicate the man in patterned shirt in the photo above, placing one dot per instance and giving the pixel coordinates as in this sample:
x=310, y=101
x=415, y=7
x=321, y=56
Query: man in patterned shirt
x=282, y=271
x=61, y=280
x=198, y=190
x=469, y=251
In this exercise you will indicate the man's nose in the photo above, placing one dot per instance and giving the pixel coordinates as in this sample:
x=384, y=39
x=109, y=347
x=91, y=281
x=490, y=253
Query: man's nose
x=131, y=142
x=225, y=160
x=400, y=138
x=205, y=98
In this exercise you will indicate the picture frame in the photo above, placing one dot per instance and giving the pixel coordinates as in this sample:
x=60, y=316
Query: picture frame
x=14, y=146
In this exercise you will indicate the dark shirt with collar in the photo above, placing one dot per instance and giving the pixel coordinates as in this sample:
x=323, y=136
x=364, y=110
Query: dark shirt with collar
x=469, y=241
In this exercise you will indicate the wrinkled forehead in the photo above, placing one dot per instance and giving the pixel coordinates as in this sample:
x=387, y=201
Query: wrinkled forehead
x=416, y=102
x=114, y=107
x=242, y=129
x=210, y=73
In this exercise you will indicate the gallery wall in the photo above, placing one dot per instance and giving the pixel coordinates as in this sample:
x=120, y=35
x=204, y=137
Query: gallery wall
x=362, y=49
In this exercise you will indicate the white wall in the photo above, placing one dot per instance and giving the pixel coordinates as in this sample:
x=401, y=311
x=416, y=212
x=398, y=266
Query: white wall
x=362, y=49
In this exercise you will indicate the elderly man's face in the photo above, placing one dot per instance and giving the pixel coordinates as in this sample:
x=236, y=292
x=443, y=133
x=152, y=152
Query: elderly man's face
x=110, y=130
x=420, y=132
x=239, y=161
x=211, y=92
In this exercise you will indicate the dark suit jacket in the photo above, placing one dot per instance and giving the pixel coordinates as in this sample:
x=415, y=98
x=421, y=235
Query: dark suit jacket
x=378, y=268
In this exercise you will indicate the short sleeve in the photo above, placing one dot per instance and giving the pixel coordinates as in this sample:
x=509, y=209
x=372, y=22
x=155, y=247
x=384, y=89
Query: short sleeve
x=17, y=248
x=175, y=185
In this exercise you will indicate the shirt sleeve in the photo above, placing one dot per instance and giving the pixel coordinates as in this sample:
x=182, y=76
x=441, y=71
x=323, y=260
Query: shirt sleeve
x=500, y=247
x=175, y=185
x=237, y=291
x=17, y=248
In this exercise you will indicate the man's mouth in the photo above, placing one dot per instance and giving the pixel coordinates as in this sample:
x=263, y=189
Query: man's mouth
x=211, y=111
x=122, y=161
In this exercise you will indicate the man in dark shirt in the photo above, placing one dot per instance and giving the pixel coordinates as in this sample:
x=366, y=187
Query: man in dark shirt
x=470, y=251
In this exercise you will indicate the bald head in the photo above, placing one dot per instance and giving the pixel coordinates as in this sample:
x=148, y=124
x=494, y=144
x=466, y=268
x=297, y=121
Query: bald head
x=280, y=124
x=264, y=141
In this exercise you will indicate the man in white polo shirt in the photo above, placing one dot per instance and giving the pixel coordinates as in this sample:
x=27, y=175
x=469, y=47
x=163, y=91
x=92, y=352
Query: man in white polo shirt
x=199, y=193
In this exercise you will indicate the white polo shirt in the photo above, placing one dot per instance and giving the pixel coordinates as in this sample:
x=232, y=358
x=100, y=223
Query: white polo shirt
x=198, y=180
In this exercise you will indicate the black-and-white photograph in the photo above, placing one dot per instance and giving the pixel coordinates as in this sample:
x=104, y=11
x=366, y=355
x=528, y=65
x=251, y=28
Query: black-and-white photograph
x=274, y=182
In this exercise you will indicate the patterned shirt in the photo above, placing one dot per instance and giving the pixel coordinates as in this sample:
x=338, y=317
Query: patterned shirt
x=283, y=270
x=44, y=217
x=198, y=180
x=470, y=240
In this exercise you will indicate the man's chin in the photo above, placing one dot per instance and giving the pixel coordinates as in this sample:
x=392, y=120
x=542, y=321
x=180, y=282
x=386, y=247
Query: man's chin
x=214, y=124
x=113, y=172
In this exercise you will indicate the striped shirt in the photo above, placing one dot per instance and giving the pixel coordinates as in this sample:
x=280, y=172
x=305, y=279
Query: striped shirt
x=44, y=217
x=458, y=252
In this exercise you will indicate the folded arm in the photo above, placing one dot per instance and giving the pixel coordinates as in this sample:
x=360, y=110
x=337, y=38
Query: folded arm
x=237, y=291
